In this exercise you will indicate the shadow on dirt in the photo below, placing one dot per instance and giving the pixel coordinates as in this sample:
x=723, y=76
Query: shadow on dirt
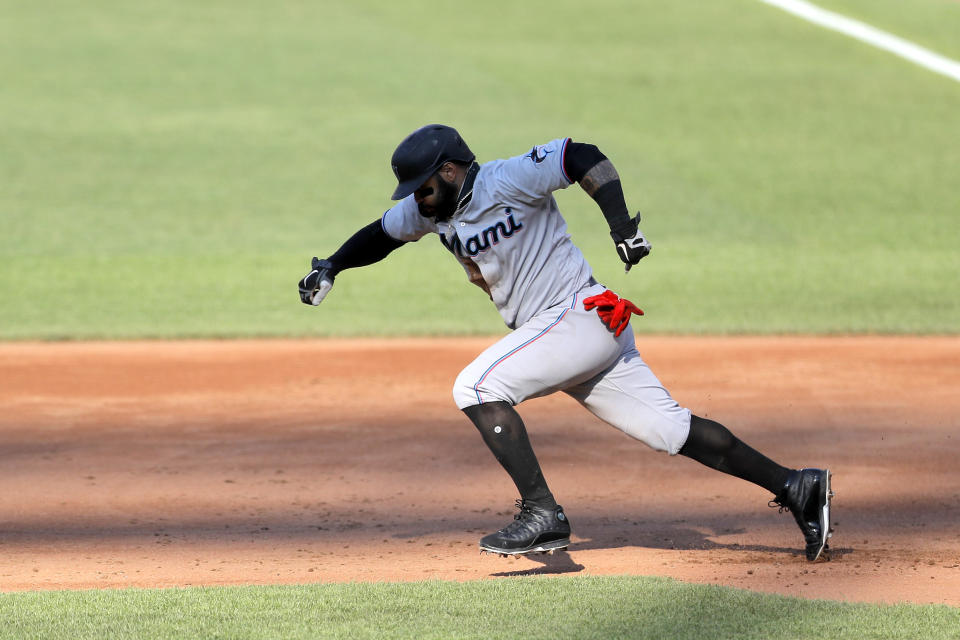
x=683, y=539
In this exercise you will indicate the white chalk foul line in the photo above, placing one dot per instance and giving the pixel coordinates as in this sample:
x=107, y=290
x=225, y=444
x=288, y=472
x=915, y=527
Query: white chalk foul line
x=865, y=33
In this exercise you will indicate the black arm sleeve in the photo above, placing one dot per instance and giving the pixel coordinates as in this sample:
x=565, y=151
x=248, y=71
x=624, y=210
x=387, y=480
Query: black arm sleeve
x=578, y=160
x=370, y=244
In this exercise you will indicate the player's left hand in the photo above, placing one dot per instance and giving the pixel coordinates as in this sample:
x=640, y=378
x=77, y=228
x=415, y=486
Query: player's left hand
x=315, y=286
x=631, y=244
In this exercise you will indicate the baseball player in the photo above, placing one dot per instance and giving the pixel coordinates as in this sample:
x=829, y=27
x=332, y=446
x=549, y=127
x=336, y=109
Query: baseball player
x=570, y=333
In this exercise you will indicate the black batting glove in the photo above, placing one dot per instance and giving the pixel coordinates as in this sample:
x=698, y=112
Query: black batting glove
x=315, y=286
x=631, y=245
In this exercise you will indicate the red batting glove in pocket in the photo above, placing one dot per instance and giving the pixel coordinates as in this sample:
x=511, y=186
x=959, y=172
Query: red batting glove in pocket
x=613, y=310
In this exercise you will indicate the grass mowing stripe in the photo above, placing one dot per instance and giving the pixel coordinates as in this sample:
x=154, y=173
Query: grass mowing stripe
x=537, y=607
x=871, y=35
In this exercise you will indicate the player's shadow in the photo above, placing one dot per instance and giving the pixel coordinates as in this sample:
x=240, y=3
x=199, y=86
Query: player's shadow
x=673, y=538
x=556, y=563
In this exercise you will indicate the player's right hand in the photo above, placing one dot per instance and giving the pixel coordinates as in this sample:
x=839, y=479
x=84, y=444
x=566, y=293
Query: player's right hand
x=315, y=286
x=631, y=245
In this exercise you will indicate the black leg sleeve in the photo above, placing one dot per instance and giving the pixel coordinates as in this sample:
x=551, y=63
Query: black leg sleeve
x=712, y=444
x=506, y=436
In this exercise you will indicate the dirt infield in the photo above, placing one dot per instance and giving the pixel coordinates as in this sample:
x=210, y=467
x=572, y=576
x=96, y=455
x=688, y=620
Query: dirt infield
x=161, y=464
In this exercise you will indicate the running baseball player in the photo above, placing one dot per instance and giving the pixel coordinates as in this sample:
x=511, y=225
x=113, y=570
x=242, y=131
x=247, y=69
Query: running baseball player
x=570, y=333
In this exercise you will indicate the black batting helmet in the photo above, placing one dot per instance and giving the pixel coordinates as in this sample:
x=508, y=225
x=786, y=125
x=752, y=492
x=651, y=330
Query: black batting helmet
x=423, y=152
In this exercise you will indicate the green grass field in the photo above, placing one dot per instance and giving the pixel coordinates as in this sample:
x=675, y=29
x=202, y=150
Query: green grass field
x=548, y=608
x=169, y=168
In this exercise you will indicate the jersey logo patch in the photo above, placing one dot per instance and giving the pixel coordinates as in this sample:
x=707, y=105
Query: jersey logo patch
x=480, y=242
x=539, y=154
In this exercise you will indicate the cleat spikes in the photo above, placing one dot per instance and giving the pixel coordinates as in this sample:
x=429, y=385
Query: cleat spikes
x=537, y=551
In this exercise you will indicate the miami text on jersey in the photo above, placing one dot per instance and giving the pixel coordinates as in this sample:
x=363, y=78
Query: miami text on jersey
x=482, y=241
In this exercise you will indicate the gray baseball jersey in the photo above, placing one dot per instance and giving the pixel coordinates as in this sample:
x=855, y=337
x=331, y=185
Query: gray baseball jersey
x=513, y=242
x=511, y=231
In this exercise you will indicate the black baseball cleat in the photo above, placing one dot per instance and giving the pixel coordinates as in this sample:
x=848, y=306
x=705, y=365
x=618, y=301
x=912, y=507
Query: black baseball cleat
x=807, y=495
x=535, y=529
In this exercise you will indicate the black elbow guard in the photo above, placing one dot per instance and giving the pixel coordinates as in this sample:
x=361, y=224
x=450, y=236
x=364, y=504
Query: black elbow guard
x=580, y=158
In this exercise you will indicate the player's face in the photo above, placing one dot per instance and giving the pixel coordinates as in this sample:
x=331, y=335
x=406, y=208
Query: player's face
x=437, y=198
